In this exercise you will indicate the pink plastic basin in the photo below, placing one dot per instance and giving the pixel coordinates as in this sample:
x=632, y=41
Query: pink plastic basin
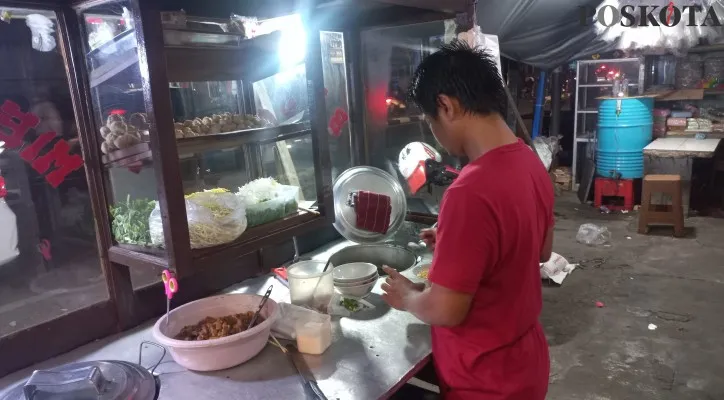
x=216, y=354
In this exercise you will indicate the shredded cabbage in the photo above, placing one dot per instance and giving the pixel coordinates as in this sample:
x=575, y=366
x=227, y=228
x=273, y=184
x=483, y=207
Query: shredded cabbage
x=258, y=191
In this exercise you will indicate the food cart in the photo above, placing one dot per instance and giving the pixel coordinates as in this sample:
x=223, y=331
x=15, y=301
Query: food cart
x=180, y=116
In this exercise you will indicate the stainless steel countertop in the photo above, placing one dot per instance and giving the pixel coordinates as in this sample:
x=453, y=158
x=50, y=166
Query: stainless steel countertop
x=372, y=354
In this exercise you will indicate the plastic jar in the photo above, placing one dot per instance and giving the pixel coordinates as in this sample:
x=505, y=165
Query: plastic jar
x=309, y=286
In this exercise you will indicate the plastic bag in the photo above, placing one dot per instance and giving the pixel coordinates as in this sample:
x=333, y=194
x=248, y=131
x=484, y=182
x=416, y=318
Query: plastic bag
x=214, y=218
x=266, y=200
x=476, y=38
x=547, y=148
x=592, y=234
x=247, y=26
x=41, y=28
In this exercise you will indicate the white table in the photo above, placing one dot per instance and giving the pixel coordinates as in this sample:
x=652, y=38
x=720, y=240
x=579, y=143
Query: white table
x=680, y=147
x=675, y=155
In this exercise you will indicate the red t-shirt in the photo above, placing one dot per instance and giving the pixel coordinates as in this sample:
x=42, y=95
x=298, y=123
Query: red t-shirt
x=491, y=229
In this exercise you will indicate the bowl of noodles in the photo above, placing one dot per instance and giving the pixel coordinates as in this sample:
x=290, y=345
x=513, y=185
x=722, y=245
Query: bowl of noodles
x=421, y=272
x=213, y=333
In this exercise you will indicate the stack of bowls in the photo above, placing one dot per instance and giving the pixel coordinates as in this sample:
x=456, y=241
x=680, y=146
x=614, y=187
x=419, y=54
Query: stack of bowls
x=355, y=279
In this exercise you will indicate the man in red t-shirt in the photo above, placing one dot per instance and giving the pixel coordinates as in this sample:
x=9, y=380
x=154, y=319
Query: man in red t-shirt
x=495, y=227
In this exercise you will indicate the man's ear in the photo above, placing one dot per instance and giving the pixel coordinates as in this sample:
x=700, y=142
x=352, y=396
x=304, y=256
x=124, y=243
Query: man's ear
x=446, y=107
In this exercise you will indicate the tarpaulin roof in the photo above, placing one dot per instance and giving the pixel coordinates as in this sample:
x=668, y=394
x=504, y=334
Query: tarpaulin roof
x=543, y=33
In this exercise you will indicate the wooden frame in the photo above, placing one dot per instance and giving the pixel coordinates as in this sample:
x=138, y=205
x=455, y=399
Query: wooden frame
x=201, y=272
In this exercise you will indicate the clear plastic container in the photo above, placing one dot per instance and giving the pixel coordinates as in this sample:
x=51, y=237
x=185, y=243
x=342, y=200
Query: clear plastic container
x=313, y=333
x=309, y=286
x=284, y=204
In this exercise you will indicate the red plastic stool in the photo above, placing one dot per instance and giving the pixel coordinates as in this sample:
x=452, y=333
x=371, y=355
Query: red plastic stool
x=621, y=188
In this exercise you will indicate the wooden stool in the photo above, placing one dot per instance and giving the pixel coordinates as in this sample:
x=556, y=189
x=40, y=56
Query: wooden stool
x=660, y=214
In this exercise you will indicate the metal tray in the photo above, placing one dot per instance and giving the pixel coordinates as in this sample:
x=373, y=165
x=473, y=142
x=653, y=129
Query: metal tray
x=373, y=180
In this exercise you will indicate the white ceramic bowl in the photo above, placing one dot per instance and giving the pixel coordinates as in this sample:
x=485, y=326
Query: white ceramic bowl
x=354, y=272
x=373, y=279
x=222, y=353
x=356, y=291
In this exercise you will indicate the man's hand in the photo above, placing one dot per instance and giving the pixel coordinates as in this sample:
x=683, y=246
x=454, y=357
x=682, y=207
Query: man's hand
x=429, y=236
x=397, y=288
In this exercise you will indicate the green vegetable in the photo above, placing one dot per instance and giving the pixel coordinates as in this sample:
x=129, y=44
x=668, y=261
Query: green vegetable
x=130, y=221
x=262, y=213
x=350, y=304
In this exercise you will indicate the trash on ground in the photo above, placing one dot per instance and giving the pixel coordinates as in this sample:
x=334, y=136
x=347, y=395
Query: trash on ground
x=600, y=304
x=562, y=178
x=605, y=210
x=652, y=327
x=556, y=269
x=628, y=237
x=593, y=235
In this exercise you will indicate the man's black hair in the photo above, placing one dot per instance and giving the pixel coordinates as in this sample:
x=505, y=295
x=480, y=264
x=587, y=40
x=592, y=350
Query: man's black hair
x=469, y=75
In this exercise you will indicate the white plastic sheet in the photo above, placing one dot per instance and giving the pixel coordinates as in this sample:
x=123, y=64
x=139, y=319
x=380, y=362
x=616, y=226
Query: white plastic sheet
x=8, y=234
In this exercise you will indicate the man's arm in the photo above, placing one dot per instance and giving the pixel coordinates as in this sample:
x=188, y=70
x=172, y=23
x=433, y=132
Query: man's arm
x=464, y=251
x=439, y=306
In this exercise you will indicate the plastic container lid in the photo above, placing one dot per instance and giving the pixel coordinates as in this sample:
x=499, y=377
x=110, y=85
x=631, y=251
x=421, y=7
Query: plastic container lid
x=308, y=269
x=373, y=180
x=98, y=380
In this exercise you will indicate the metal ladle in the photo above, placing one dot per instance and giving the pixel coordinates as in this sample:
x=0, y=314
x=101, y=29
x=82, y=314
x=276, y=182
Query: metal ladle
x=261, y=305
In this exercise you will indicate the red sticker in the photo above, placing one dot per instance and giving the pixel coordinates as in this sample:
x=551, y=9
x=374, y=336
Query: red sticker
x=337, y=121
x=18, y=123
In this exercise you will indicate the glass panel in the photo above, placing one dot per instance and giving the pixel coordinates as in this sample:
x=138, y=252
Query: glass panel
x=390, y=57
x=203, y=99
x=335, y=84
x=291, y=162
x=49, y=262
x=120, y=114
x=226, y=168
x=605, y=71
x=282, y=99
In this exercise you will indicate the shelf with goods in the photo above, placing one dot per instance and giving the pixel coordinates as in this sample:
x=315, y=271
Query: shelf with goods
x=700, y=97
x=182, y=139
x=594, y=78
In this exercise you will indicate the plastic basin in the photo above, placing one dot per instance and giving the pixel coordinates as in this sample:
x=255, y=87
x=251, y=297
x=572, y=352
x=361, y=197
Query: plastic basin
x=222, y=353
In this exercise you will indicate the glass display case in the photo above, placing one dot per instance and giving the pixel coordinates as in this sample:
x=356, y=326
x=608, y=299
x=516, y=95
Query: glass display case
x=238, y=130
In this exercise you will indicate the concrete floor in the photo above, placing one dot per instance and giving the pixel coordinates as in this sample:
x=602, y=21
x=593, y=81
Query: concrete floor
x=609, y=353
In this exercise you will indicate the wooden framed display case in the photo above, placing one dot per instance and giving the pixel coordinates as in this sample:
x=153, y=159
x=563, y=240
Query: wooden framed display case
x=175, y=113
x=131, y=72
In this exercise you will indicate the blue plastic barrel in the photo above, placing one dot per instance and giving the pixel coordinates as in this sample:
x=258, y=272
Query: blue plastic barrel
x=625, y=127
